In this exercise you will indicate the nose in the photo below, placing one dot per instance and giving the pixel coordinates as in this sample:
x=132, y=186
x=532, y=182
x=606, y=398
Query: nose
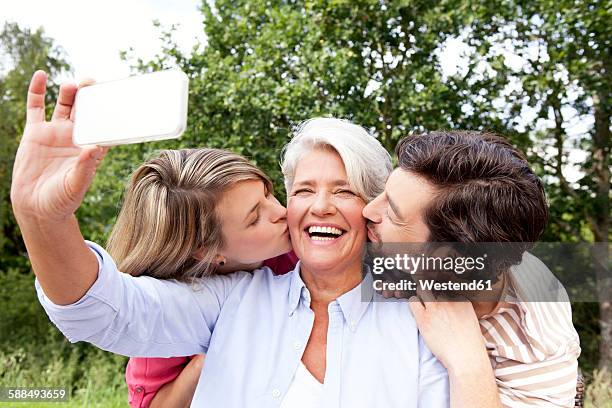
x=322, y=205
x=372, y=211
x=278, y=211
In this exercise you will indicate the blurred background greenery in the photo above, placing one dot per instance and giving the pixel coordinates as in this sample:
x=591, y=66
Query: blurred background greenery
x=536, y=71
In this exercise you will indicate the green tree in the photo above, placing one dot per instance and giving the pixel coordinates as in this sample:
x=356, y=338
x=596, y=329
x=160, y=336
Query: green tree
x=268, y=65
x=566, y=78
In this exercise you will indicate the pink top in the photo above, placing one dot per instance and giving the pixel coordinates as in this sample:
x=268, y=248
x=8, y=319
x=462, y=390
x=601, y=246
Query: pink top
x=145, y=376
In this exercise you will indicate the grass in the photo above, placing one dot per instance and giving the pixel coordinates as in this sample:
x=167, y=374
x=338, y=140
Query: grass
x=96, y=379
x=93, y=378
x=598, y=393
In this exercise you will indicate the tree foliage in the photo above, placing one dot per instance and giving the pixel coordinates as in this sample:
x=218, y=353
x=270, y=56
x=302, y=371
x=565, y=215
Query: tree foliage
x=566, y=79
x=269, y=65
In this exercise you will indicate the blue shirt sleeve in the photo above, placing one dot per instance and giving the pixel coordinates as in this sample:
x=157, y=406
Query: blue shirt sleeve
x=143, y=316
x=434, y=388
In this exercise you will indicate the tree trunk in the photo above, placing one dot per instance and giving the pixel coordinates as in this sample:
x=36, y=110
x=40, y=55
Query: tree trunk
x=601, y=229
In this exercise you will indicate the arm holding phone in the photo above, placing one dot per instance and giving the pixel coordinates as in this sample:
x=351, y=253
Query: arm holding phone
x=78, y=283
x=50, y=178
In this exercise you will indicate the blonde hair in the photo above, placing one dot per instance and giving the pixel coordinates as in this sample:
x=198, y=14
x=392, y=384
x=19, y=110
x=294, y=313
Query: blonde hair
x=168, y=212
x=367, y=162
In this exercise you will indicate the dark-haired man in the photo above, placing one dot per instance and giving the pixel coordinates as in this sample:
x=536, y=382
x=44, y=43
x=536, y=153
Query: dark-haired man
x=474, y=187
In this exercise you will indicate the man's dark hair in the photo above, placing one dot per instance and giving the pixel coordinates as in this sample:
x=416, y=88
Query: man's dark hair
x=485, y=189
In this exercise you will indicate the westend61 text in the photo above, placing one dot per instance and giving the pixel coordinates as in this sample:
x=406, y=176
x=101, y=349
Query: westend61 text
x=429, y=285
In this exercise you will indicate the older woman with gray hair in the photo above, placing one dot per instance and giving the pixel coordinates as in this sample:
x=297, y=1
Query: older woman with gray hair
x=316, y=336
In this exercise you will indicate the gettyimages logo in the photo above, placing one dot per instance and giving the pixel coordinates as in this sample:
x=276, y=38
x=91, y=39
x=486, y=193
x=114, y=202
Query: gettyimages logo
x=414, y=263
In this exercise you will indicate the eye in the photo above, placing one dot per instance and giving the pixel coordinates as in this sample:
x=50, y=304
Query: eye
x=255, y=221
x=302, y=191
x=345, y=192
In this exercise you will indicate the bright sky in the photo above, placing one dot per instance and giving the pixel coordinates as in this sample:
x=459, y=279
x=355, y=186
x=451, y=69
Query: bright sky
x=93, y=33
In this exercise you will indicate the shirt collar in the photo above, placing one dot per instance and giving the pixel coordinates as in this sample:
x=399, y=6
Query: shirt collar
x=353, y=303
x=295, y=290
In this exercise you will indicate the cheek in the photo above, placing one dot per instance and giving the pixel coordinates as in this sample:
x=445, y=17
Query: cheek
x=354, y=214
x=388, y=231
x=423, y=233
x=230, y=237
x=251, y=242
x=238, y=245
x=295, y=210
x=260, y=235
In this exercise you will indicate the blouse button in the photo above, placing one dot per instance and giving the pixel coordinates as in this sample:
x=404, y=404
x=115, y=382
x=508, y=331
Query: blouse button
x=276, y=393
x=139, y=390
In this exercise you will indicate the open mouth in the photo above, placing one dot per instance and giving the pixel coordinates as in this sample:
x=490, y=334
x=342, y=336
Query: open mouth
x=321, y=233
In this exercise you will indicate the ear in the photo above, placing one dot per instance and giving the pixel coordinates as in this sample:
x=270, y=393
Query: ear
x=219, y=259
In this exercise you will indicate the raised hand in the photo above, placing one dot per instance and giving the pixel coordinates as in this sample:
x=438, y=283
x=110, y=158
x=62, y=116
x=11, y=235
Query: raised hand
x=51, y=175
x=50, y=178
x=452, y=333
x=450, y=329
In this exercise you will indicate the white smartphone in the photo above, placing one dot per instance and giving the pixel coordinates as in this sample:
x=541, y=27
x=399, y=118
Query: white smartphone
x=136, y=109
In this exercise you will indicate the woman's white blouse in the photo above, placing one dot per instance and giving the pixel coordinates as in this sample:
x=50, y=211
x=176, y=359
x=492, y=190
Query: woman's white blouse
x=253, y=328
x=305, y=390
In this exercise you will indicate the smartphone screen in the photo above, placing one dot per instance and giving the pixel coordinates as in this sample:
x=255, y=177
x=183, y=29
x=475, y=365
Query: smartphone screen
x=136, y=109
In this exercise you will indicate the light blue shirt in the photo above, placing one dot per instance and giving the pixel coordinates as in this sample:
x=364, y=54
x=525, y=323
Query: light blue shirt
x=253, y=328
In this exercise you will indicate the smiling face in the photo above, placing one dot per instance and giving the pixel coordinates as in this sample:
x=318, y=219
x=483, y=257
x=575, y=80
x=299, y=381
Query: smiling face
x=324, y=214
x=397, y=215
x=254, y=224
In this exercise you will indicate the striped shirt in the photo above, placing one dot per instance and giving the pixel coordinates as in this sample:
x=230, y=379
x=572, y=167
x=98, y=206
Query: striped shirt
x=532, y=345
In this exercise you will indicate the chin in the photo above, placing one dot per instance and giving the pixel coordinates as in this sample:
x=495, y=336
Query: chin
x=284, y=246
x=287, y=248
x=320, y=262
x=317, y=266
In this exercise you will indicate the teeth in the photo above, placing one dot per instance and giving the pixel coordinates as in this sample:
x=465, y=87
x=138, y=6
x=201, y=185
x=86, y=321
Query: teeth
x=322, y=239
x=327, y=230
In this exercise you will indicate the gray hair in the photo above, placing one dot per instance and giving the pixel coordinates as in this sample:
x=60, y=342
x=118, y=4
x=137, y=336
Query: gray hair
x=367, y=163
